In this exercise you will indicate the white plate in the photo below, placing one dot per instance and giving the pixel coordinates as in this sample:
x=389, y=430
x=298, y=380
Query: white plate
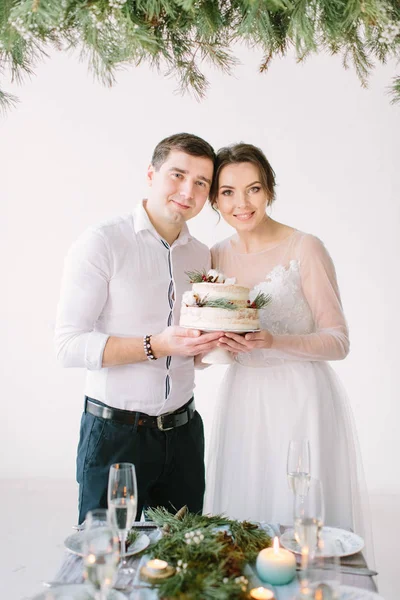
x=73, y=543
x=348, y=592
x=345, y=542
x=75, y=592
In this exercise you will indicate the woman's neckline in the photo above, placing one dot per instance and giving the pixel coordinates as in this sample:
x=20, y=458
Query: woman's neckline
x=276, y=245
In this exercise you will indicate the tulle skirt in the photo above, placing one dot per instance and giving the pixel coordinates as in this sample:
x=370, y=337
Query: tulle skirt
x=258, y=411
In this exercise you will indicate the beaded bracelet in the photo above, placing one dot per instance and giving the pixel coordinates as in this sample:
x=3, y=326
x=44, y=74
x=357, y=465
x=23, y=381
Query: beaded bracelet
x=147, y=348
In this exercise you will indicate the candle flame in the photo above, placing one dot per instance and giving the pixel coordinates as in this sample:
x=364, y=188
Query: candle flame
x=276, y=544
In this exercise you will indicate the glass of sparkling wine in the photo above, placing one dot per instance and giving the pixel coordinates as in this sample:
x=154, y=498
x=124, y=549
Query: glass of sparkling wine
x=122, y=503
x=324, y=571
x=100, y=553
x=298, y=466
x=309, y=516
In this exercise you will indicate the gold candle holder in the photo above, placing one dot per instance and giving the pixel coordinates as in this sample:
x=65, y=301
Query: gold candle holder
x=156, y=570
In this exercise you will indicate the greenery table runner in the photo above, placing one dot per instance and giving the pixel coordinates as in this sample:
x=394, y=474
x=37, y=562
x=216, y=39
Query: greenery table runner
x=210, y=556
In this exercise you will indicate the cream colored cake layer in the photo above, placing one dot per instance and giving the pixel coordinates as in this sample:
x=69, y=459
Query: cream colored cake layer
x=206, y=317
x=235, y=293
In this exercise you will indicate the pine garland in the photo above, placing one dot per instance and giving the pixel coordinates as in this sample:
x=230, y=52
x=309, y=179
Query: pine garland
x=178, y=36
x=209, y=554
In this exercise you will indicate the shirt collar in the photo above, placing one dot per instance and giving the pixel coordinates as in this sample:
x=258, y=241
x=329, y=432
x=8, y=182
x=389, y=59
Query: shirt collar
x=141, y=222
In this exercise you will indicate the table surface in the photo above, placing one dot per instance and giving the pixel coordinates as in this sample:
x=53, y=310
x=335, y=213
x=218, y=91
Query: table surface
x=71, y=571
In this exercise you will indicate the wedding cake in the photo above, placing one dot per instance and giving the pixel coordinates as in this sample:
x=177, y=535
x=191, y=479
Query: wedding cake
x=216, y=303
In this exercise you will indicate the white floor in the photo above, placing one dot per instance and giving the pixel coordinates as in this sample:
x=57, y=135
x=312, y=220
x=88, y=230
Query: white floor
x=36, y=516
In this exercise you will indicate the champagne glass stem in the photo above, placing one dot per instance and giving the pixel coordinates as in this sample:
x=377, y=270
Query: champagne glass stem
x=123, y=534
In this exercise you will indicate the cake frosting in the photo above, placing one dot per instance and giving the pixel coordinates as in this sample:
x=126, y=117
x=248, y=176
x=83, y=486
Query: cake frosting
x=218, y=303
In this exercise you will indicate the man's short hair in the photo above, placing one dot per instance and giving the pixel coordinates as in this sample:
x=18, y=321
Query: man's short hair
x=183, y=142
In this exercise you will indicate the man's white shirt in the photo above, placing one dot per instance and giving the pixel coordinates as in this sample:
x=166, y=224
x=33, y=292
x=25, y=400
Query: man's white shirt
x=122, y=279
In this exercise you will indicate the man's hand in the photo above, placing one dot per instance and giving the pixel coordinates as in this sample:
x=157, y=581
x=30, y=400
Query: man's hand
x=183, y=342
x=246, y=343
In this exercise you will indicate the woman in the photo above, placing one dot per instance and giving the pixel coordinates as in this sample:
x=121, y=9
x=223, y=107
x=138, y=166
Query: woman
x=280, y=387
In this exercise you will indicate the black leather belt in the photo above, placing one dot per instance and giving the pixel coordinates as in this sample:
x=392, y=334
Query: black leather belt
x=165, y=422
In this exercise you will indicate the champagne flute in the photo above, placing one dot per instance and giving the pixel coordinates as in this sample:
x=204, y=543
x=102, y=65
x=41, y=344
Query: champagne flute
x=298, y=466
x=122, y=503
x=98, y=517
x=324, y=571
x=100, y=553
x=309, y=516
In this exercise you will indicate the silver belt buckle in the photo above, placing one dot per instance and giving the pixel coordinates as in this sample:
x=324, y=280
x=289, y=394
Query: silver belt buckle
x=160, y=424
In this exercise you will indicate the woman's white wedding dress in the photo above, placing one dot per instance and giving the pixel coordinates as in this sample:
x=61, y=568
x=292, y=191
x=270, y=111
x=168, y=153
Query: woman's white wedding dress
x=288, y=392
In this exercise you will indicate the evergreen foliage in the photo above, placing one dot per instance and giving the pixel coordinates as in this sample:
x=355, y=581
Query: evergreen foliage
x=261, y=300
x=178, y=37
x=209, y=554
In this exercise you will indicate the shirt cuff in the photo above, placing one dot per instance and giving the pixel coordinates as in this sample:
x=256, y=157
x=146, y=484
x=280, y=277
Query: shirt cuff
x=95, y=344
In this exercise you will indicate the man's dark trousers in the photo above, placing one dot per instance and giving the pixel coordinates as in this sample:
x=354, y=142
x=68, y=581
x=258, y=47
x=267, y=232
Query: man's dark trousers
x=169, y=464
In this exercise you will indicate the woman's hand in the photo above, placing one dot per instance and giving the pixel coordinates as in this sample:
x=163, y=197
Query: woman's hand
x=245, y=343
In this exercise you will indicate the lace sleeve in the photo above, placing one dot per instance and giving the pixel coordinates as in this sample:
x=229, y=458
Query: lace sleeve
x=330, y=341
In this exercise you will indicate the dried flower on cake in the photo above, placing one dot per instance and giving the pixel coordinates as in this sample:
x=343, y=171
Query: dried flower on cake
x=211, y=276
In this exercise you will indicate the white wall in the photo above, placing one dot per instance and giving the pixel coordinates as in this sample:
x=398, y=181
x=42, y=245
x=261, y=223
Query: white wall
x=74, y=153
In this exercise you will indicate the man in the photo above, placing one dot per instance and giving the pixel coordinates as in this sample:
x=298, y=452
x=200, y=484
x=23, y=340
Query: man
x=120, y=300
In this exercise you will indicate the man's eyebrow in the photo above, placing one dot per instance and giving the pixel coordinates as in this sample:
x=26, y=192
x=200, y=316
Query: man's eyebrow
x=177, y=170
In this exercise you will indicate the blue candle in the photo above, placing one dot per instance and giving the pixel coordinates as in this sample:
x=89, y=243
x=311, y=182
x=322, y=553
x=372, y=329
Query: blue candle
x=276, y=565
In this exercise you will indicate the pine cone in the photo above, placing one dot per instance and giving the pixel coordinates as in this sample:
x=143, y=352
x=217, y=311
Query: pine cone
x=166, y=529
x=233, y=567
x=182, y=512
x=249, y=526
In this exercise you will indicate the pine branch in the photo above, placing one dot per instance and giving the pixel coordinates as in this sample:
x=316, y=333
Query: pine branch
x=261, y=300
x=132, y=536
x=196, y=276
x=7, y=101
x=217, y=303
x=395, y=91
x=178, y=36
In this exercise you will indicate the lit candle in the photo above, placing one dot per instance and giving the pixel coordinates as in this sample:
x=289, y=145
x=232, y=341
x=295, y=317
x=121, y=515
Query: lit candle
x=276, y=565
x=261, y=593
x=156, y=566
x=156, y=570
x=324, y=592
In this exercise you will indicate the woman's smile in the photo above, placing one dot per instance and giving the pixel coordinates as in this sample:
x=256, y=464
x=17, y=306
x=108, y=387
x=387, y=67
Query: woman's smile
x=244, y=216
